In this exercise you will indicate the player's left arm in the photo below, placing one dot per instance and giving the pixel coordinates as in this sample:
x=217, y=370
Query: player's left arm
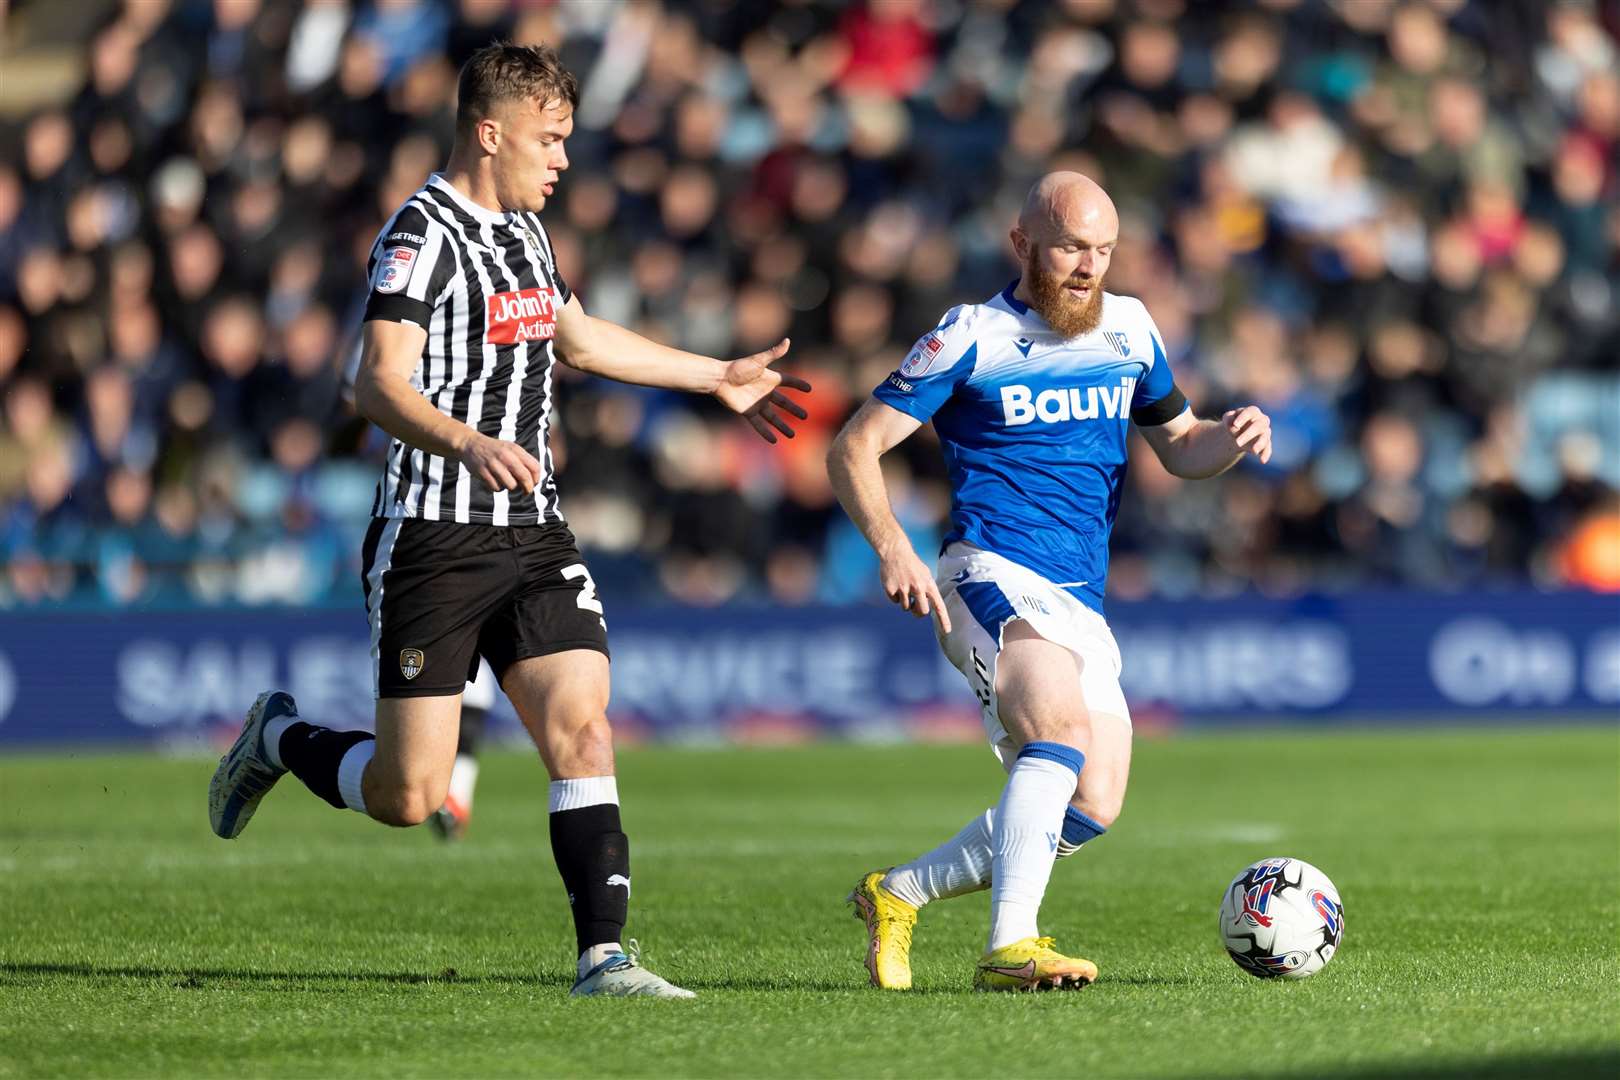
x=1195, y=449
x=747, y=387
x=1190, y=447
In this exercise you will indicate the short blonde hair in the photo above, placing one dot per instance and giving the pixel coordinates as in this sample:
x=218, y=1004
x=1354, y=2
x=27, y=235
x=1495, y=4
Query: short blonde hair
x=507, y=72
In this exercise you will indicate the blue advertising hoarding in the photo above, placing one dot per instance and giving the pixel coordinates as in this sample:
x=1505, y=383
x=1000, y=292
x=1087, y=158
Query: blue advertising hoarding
x=861, y=672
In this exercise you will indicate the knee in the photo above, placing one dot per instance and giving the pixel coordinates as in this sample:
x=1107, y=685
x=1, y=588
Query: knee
x=405, y=804
x=580, y=744
x=587, y=725
x=1103, y=811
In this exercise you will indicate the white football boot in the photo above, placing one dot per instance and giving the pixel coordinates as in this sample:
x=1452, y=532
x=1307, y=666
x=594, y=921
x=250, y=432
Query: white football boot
x=621, y=975
x=245, y=773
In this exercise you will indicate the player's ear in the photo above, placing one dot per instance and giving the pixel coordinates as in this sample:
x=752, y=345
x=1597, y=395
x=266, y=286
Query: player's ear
x=1020, y=241
x=488, y=132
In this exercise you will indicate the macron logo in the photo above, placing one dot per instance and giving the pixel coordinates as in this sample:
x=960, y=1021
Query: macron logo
x=1021, y=405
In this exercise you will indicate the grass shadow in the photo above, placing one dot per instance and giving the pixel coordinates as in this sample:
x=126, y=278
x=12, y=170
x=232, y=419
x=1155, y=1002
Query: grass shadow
x=196, y=978
x=779, y=984
x=1553, y=1066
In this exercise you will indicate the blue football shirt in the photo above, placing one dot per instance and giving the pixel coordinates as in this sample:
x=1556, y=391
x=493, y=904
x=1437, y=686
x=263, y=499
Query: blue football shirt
x=1034, y=427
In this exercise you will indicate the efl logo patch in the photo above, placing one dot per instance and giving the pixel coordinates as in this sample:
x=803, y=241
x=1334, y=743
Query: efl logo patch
x=923, y=355
x=394, y=269
x=514, y=318
x=1116, y=338
x=411, y=662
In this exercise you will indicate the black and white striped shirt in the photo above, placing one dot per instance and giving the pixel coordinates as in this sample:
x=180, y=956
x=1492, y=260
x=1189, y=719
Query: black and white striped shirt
x=485, y=287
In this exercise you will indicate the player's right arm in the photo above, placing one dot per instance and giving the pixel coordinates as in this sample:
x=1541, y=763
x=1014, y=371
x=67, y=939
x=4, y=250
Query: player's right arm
x=857, y=479
x=384, y=394
x=933, y=370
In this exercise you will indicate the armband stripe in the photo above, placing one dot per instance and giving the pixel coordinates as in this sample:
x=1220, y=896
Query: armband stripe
x=1162, y=411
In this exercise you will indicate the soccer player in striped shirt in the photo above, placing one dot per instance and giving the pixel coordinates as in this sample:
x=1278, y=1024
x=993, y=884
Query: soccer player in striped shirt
x=468, y=554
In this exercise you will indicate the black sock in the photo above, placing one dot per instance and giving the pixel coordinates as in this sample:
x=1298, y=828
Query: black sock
x=593, y=857
x=472, y=730
x=312, y=754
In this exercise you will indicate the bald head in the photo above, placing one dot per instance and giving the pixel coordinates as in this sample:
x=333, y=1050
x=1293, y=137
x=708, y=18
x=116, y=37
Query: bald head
x=1069, y=202
x=1065, y=238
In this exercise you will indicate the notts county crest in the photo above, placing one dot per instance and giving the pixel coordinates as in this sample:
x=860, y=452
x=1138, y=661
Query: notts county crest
x=410, y=662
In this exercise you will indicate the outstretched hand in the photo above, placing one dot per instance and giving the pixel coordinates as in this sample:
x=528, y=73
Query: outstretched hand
x=753, y=390
x=1251, y=431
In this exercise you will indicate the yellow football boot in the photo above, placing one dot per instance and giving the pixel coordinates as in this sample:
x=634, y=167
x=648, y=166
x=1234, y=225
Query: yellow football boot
x=889, y=920
x=1032, y=964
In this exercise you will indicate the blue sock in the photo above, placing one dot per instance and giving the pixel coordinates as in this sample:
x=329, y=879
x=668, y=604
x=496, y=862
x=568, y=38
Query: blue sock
x=1077, y=829
x=1055, y=751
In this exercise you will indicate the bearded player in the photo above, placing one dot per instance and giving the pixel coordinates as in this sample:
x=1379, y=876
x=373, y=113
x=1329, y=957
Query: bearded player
x=1032, y=393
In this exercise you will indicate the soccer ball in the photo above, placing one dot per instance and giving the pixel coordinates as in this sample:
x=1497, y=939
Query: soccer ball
x=1281, y=918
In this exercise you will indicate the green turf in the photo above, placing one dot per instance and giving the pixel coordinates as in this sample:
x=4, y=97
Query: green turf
x=1480, y=873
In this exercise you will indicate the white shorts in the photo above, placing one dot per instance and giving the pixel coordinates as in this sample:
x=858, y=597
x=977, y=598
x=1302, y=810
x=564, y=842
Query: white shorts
x=983, y=592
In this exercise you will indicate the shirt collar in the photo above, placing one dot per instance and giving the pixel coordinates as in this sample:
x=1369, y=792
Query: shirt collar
x=1012, y=301
x=479, y=213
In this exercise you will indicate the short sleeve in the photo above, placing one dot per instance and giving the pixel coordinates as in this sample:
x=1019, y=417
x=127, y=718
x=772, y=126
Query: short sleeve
x=564, y=293
x=1157, y=399
x=411, y=264
x=941, y=361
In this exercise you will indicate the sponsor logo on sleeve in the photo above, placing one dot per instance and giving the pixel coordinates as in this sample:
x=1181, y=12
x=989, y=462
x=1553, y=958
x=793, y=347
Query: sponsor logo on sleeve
x=394, y=269
x=516, y=318
x=922, y=355
x=408, y=237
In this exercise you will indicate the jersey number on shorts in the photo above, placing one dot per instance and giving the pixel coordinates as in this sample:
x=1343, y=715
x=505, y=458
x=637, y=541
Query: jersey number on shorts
x=586, y=599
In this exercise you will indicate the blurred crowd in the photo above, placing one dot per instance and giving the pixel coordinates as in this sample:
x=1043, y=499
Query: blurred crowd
x=1392, y=225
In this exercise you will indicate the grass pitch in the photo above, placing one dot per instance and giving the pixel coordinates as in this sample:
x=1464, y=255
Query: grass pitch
x=1480, y=872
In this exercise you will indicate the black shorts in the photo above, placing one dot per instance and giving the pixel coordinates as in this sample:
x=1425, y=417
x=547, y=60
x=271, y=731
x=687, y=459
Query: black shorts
x=439, y=594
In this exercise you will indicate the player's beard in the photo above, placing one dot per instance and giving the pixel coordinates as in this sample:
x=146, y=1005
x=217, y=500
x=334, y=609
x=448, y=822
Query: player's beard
x=1049, y=296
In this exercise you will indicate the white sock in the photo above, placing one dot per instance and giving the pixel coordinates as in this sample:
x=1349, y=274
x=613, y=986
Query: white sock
x=586, y=791
x=596, y=954
x=273, y=731
x=463, y=778
x=960, y=865
x=352, y=770
x=1028, y=823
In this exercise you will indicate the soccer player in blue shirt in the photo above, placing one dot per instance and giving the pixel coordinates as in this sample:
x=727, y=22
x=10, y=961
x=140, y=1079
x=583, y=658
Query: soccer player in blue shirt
x=1032, y=393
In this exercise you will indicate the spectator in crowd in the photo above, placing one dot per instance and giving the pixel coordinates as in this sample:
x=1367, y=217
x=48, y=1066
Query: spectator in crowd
x=1393, y=224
